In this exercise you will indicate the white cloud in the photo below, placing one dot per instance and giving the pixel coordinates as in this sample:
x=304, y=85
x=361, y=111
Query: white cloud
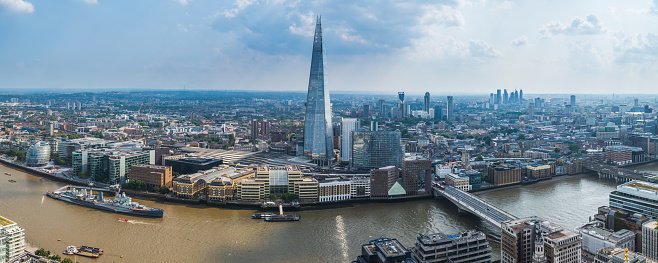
x=482, y=49
x=591, y=25
x=307, y=27
x=520, y=41
x=584, y=56
x=182, y=28
x=441, y=15
x=505, y=5
x=18, y=6
x=239, y=6
x=183, y=2
x=89, y=1
x=653, y=10
x=640, y=49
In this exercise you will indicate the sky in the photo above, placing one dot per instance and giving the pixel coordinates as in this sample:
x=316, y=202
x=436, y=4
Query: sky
x=379, y=46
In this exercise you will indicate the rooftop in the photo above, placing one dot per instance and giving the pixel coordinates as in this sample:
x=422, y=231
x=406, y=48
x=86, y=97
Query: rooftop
x=5, y=221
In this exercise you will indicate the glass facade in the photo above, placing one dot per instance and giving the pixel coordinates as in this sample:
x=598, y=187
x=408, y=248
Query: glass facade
x=376, y=149
x=38, y=154
x=318, y=137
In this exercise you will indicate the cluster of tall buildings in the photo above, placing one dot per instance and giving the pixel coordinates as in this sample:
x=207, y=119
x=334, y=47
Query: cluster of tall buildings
x=515, y=97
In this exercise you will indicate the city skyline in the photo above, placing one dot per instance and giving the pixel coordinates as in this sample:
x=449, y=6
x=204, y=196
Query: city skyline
x=594, y=47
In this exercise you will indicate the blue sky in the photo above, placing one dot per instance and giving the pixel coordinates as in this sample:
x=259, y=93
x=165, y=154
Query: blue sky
x=441, y=46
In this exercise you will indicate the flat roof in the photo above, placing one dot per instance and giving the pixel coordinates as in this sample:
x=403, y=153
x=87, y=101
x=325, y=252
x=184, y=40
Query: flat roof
x=5, y=221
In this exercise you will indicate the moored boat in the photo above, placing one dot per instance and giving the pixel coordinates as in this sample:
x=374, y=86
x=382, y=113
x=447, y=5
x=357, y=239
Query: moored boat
x=120, y=204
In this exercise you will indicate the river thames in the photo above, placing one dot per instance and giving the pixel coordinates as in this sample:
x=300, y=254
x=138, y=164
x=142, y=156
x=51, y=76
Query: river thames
x=197, y=233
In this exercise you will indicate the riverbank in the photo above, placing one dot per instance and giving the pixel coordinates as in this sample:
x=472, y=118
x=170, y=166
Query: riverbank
x=552, y=180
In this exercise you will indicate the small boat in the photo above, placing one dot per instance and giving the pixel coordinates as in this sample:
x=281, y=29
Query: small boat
x=261, y=216
x=86, y=251
x=123, y=219
x=7, y=173
x=281, y=218
x=12, y=181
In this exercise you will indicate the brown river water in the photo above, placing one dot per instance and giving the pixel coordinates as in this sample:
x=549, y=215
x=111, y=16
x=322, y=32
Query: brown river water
x=197, y=233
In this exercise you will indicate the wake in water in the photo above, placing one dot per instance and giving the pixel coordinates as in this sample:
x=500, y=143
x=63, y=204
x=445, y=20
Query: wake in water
x=42, y=198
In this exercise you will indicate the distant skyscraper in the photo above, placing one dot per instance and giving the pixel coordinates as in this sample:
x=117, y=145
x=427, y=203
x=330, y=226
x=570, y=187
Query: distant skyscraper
x=451, y=109
x=498, y=97
x=573, y=101
x=505, y=97
x=426, y=102
x=521, y=96
x=318, y=141
x=401, y=104
x=348, y=126
x=531, y=110
x=366, y=110
x=437, y=113
x=492, y=100
x=382, y=110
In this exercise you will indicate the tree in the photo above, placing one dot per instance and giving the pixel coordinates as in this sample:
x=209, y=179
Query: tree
x=271, y=197
x=573, y=147
x=479, y=158
x=557, y=150
x=67, y=260
x=42, y=252
x=56, y=258
x=521, y=136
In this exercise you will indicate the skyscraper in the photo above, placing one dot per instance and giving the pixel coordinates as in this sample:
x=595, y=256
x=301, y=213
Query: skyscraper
x=531, y=110
x=373, y=149
x=318, y=141
x=401, y=104
x=505, y=97
x=521, y=95
x=573, y=101
x=348, y=126
x=451, y=109
x=426, y=102
x=498, y=97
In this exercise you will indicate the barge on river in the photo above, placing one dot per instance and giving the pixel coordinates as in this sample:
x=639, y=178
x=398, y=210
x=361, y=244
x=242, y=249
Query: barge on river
x=120, y=204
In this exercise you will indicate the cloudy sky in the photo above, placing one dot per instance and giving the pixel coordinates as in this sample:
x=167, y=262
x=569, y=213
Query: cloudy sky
x=441, y=46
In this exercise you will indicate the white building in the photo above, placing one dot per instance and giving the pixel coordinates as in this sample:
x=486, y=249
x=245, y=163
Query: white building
x=595, y=237
x=348, y=125
x=650, y=240
x=636, y=197
x=333, y=189
x=12, y=240
x=360, y=186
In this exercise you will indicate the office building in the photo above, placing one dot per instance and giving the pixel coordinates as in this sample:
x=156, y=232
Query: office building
x=348, y=125
x=360, y=186
x=595, y=237
x=374, y=149
x=153, y=175
x=382, y=179
x=531, y=239
x=401, y=105
x=459, y=181
x=65, y=149
x=332, y=189
x=650, y=240
x=498, y=97
x=438, y=115
x=318, y=129
x=636, y=197
x=451, y=109
x=521, y=95
x=503, y=173
x=417, y=176
x=426, y=102
x=618, y=255
x=277, y=180
x=573, y=101
x=12, y=241
x=366, y=110
x=192, y=165
x=38, y=154
x=384, y=250
x=442, y=248
x=505, y=97
x=200, y=184
x=531, y=110
x=109, y=166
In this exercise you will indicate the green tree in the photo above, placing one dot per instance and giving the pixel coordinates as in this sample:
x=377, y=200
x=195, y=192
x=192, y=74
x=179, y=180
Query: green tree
x=285, y=197
x=521, y=136
x=56, y=258
x=557, y=150
x=479, y=158
x=41, y=252
x=573, y=147
x=67, y=260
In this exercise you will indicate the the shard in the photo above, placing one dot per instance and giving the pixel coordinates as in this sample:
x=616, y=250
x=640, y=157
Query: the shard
x=318, y=131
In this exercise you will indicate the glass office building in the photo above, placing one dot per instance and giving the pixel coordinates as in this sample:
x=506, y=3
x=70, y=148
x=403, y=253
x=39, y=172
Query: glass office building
x=376, y=149
x=318, y=130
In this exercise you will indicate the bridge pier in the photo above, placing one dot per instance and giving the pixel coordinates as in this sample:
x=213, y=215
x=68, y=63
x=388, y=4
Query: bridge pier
x=462, y=212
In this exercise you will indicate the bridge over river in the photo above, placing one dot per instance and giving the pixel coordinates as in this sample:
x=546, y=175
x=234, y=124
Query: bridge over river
x=471, y=204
